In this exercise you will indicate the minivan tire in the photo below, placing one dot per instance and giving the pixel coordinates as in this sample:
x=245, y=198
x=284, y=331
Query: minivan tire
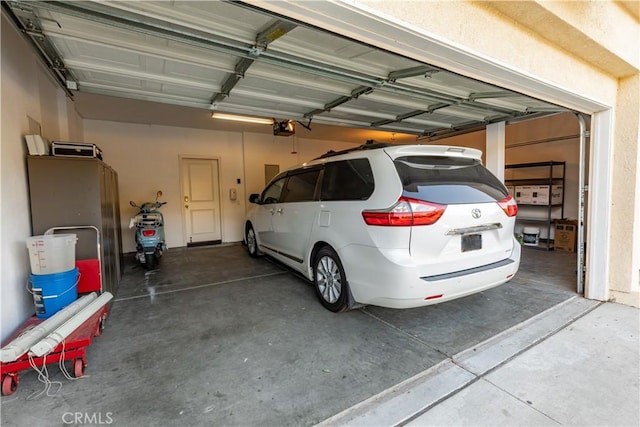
x=252, y=243
x=330, y=280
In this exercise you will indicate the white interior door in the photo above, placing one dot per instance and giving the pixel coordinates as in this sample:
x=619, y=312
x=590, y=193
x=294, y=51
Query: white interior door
x=201, y=200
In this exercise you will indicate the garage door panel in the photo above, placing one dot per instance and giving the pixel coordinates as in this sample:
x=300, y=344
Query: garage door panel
x=248, y=61
x=340, y=52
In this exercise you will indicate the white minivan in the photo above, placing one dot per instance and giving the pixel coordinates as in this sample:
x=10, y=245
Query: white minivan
x=389, y=225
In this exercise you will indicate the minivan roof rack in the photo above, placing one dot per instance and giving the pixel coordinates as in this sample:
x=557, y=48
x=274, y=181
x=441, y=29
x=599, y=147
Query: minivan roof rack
x=369, y=145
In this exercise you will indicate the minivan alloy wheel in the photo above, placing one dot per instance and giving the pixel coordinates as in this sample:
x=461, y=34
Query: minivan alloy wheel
x=330, y=280
x=252, y=243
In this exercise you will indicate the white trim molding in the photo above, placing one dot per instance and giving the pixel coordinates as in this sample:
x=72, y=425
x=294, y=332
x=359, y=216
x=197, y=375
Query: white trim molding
x=599, y=206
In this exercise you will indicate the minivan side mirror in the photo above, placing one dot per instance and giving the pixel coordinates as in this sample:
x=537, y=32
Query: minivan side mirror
x=254, y=198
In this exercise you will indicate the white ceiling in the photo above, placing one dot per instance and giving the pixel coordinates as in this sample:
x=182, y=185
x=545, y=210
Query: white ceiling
x=203, y=56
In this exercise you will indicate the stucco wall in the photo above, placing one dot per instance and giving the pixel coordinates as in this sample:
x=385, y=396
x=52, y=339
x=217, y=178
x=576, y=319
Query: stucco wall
x=625, y=201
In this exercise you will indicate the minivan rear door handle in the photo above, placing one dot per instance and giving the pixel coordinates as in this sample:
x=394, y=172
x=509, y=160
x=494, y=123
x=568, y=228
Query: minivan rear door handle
x=279, y=211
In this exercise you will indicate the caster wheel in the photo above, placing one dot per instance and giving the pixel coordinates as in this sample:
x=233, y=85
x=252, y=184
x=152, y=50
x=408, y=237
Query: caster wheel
x=100, y=327
x=9, y=384
x=78, y=368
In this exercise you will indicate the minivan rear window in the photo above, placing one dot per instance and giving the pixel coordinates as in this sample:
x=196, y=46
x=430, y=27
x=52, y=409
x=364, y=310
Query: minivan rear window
x=448, y=180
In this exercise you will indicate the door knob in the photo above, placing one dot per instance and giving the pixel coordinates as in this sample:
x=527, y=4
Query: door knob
x=186, y=206
x=186, y=199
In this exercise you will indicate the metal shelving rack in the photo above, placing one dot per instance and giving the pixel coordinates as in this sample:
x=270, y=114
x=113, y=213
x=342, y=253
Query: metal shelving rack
x=542, y=173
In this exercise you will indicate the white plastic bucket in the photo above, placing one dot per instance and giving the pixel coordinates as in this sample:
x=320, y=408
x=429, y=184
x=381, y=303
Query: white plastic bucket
x=531, y=236
x=52, y=253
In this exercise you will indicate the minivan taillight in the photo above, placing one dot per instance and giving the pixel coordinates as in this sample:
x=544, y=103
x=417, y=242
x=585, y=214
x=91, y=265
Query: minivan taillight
x=406, y=212
x=509, y=206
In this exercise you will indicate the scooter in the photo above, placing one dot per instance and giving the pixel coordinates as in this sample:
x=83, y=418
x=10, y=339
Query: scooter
x=149, y=225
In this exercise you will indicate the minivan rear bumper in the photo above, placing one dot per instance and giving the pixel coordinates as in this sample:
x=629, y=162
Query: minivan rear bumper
x=387, y=280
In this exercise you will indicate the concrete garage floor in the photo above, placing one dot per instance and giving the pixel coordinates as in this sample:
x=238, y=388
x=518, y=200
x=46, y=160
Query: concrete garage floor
x=214, y=337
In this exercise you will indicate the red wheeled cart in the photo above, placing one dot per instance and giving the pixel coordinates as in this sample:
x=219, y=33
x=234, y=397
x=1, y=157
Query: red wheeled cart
x=73, y=348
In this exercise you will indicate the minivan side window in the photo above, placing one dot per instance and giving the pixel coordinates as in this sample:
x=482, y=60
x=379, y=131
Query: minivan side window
x=347, y=180
x=301, y=186
x=272, y=193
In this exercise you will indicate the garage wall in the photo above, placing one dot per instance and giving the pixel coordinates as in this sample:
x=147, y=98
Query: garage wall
x=30, y=101
x=147, y=159
x=568, y=151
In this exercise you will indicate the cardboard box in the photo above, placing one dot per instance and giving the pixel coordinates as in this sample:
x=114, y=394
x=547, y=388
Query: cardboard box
x=512, y=190
x=524, y=194
x=566, y=235
x=539, y=195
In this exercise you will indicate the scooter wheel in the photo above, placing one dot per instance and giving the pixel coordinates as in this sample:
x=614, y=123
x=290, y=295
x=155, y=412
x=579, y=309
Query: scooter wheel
x=150, y=261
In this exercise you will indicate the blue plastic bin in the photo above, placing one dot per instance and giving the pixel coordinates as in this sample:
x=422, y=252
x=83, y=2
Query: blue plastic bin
x=53, y=292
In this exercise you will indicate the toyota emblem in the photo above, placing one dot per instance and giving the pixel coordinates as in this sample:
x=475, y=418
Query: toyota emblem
x=476, y=213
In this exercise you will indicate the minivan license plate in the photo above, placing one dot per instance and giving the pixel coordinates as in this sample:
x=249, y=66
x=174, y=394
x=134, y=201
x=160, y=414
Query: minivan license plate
x=471, y=242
